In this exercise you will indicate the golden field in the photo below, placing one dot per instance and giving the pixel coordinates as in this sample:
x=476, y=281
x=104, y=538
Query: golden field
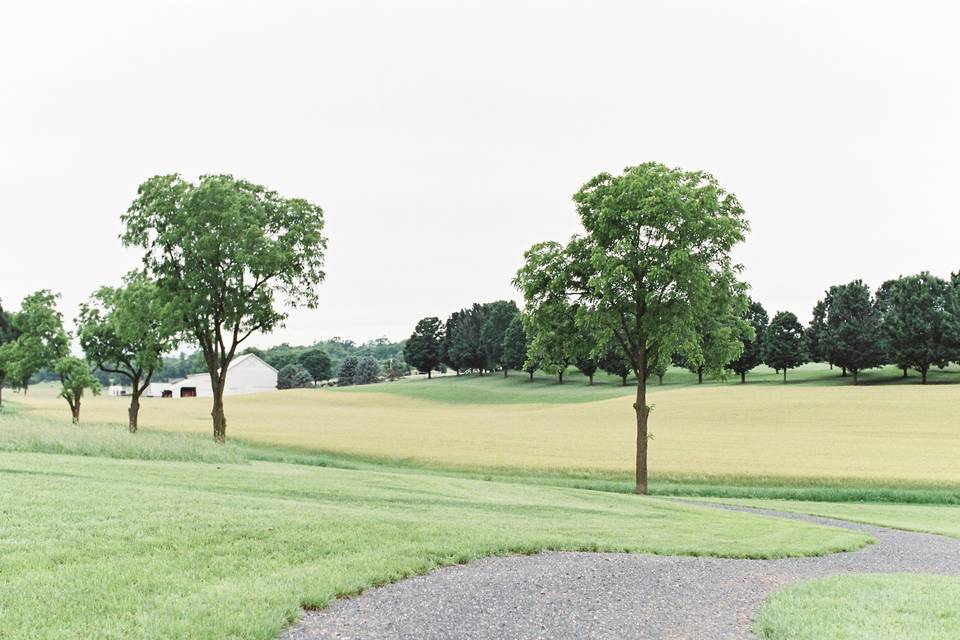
x=906, y=432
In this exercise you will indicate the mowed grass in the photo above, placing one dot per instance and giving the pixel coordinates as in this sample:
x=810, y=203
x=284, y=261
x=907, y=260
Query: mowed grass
x=94, y=547
x=905, y=435
x=864, y=607
x=940, y=519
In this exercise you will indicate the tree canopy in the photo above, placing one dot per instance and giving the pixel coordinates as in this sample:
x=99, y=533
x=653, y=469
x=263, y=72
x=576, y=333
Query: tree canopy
x=499, y=314
x=853, y=337
x=652, y=266
x=783, y=343
x=317, y=363
x=40, y=338
x=223, y=251
x=294, y=376
x=422, y=350
x=75, y=378
x=751, y=355
x=515, y=344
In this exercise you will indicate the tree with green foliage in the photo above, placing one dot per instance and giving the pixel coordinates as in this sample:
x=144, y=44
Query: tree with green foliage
x=499, y=314
x=367, y=371
x=653, y=262
x=854, y=339
x=588, y=367
x=75, y=377
x=223, y=251
x=920, y=322
x=8, y=336
x=294, y=376
x=126, y=331
x=348, y=369
x=515, y=345
x=41, y=339
x=615, y=363
x=783, y=343
x=751, y=355
x=317, y=363
x=555, y=339
x=815, y=335
x=449, y=355
x=422, y=350
x=465, y=347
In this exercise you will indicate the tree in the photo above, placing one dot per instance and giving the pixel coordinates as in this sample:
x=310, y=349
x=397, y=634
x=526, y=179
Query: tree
x=555, y=338
x=587, y=366
x=75, y=377
x=653, y=262
x=616, y=364
x=750, y=357
x=317, y=363
x=294, y=376
x=449, y=354
x=367, y=371
x=815, y=335
x=499, y=314
x=126, y=331
x=41, y=340
x=783, y=343
x=465, y=347
x=348, y=370
x=222, y=252
x=515, y=344
x=920, y=323
x=854, y=339
x=8, y=336
x=422, y=350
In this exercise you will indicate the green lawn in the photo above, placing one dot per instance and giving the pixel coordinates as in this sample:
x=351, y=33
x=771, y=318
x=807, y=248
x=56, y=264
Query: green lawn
x=130, y=548
x=517, y=389
x=864, y=607
x=941, y=519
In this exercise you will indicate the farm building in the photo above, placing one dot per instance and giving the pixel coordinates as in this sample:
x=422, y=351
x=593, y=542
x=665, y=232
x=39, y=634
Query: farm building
x=246, y=374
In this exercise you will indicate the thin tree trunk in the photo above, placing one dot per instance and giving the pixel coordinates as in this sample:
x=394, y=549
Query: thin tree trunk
x=504, y=372
x=531, y=375
x=560, y=376
x=660, y=379
x=219, y=418
x=643, y=415
x=428, y=374
x=623, y=381
x=591, y=379
x=75, y=407
x=831, y=366
x=743, y=377
x=855, y=376
x=784, y=375
x=134, y=410
x=843, y=372
x=923, y=375
x=904, y=372
x=699, y=376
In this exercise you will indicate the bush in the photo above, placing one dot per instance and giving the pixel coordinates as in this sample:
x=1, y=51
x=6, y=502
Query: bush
x=294, y=376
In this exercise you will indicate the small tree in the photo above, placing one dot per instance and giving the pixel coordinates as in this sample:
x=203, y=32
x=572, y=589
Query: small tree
x=41, y=340
x=588, y=367
x=75, y=377
x=515, y=344
x=816, y=334
x=222, y=252
x=750, y=357
x=348, y=370
x=367, y=371
x=317, y=363
x=615, y=363
x=555, y=339
x=854, y=338
x=294, y=376
x=126, y=331
x=422, y=350
x=499, y=315
x=783, y=343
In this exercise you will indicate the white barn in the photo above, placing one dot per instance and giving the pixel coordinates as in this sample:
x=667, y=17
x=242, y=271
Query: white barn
x=246, y=374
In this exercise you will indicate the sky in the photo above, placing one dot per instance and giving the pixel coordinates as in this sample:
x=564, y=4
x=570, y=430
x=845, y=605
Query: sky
x=442, y=139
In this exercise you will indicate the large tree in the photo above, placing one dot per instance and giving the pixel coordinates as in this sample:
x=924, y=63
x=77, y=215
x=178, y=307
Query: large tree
x=515, y=345
x=499, y=314
x=316, y=361
x=422, y=350
x=450, y=355
x=783, y=343
x=126, y=331
x=465, y=346
x=75, y=377
x=920, y=322
x=750, y=357
x=41, y=339
x=853, y=338
x=653, y=262
x=224, y=251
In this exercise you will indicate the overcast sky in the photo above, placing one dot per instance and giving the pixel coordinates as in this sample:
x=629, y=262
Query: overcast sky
x=444, y=138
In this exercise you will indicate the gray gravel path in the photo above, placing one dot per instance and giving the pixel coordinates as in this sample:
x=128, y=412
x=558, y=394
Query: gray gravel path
x=609, y=595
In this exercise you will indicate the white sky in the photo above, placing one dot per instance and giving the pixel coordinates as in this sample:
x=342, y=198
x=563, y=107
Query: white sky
x=444, y=138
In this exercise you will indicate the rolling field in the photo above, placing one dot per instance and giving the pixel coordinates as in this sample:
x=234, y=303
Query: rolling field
x=803, y=432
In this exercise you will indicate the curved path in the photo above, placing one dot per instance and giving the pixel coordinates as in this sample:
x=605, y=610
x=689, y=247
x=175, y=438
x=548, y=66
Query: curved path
x=609, y=595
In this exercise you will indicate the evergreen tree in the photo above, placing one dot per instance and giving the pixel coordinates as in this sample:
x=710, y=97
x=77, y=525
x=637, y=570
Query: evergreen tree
x=783, y=343
x=348, y=369
x=422, y=350
x=367, y=371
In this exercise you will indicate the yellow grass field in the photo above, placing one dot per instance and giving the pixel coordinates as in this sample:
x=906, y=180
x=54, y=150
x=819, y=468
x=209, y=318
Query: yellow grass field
x=906, y=433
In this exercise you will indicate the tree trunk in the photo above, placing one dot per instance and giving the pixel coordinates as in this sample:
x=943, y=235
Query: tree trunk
x=923, y=375
x=219, y=418
x=843, y=372
x=643, y=414
x=429, y=374
x=504, y=372
x=743, y=377
x=623, y=381
x=784, y=375
x=591, y=379
x=75, y=407
x=855, y=376
x=560, y=376
x=134, y=410
x=660, y=379
x=831, y=366
x=531, y=375
x=904, y=372
x=699, y=376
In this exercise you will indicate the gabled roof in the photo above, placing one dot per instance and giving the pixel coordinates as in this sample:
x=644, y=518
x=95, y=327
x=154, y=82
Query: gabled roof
x=248, y=356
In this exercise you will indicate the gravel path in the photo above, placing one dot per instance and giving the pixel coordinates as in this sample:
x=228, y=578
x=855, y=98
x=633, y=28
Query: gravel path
x=609, y=595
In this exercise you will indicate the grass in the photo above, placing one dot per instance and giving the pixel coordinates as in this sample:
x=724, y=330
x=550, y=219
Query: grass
x=787, y=441
x=864, y=607
x=147, y=548
x=940, y=519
